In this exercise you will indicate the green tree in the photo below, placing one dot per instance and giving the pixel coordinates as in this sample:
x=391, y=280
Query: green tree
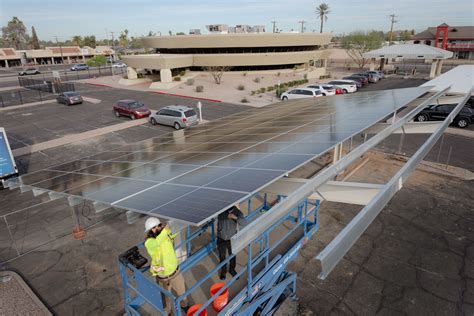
x=89, y=41
x=97, y=61
x=151, y=33
x=357, y=43
x=14, y=34
x=322, y=11
x=34, y=43
x=405, y=36
x=180, y=33
x=123, y=38
x=77, y=40
x=136, y=43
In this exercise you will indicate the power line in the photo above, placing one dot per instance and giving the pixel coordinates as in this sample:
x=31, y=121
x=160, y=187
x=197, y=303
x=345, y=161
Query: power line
x=302, y=25
x=392, y=20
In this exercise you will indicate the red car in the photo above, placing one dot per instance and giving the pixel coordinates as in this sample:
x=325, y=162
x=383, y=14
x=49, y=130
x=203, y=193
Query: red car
x=131, y=108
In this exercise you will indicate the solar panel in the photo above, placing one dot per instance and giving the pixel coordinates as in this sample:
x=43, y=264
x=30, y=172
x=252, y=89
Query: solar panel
x=194, y=174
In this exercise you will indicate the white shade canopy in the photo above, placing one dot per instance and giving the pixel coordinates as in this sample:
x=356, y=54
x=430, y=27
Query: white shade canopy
x=409, y=51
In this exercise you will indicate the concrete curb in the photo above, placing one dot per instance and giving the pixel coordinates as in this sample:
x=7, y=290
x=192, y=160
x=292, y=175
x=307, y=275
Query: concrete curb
x=460, y=132
x=76, y=137
x=19, y=298
x=185, y=96
x=14, y=107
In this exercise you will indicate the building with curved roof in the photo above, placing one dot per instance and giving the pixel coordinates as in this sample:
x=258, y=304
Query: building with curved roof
x=236, y=51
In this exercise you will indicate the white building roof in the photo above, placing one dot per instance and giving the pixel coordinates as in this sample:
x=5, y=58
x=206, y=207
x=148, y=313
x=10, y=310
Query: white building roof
x=409, y=51
x=461, y=80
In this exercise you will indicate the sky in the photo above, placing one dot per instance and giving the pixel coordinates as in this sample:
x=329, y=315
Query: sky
x=66, y=18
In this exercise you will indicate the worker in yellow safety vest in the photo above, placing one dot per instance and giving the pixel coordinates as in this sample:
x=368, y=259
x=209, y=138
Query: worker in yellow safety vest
x=164, y=263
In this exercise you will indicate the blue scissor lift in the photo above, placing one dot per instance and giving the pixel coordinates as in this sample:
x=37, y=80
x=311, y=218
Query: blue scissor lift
x=268, y=282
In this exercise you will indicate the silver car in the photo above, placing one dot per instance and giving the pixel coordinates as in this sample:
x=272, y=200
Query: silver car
x=178, y=116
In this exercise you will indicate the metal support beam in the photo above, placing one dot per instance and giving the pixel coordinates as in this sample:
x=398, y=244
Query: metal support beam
x=55, y=195
x=25, y=188
x=74, y=200
x=38, y=192
x=331, y=191
x=99, y=207
x=410, y=128
x=257, y=227
x=341, y=244
x=132, y=217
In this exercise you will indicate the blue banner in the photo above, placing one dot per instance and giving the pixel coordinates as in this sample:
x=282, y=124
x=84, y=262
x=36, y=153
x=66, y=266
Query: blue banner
x=7, y=165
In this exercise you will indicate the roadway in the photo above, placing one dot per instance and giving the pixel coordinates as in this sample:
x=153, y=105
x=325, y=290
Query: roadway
x=9, y=77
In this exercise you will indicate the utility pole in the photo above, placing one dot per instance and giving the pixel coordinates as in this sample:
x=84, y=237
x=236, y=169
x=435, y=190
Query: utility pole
x=113, y=41
x=392, y=20
x=274, y=26
x=302, y=25
x=60, y=49
x=113, y=48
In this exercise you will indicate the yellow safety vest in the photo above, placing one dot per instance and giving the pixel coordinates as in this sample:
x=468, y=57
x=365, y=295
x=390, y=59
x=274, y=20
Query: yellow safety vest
x=163, y=257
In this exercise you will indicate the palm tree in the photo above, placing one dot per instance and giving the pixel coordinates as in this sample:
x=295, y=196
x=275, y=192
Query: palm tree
x=77, y=39
x=322, y=11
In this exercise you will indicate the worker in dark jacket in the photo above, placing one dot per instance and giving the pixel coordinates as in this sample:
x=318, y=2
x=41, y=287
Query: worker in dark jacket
x=226, y=228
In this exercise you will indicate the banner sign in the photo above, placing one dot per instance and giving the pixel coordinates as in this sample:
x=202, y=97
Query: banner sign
x=7, y=163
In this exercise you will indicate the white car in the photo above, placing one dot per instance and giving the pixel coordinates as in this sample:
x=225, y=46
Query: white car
x=325, y=89
x=301, y=93
x=119, y=65
x=348, y=86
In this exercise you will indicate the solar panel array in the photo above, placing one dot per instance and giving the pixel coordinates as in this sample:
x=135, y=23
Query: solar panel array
x=192, y=175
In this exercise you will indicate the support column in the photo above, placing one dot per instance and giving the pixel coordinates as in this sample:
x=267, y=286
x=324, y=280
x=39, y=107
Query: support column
x=434, y=65
x=6, y=64
x=52, y=60
x=439, y=67
x=165, y=75
x=132, y=73
x=68, y=59
x=83, y=59
x=337, y=153
x=382, y=63
x=372, y=64
x=35, y=61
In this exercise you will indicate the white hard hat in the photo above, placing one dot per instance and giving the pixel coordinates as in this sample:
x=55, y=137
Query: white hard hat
x=151, y=222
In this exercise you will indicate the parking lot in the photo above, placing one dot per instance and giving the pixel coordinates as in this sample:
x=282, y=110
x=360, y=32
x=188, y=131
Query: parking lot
x=35, y=124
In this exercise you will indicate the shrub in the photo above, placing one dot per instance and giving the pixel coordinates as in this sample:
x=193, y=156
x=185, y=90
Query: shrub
x=190, y=81
x=177, y=78
x=278, y=74
x=252, y=92
x=244, y=100
x=280, y=91
x=305, y=76
x=244, y=74
x=182, y=72
x=257, y=80
x=270, y=88
x=199, y=88
x=262, y=90
x=241, y=87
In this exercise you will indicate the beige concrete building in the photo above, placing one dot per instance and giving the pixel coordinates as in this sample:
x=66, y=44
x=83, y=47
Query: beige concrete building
x=9, y=57
x=245, y=52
